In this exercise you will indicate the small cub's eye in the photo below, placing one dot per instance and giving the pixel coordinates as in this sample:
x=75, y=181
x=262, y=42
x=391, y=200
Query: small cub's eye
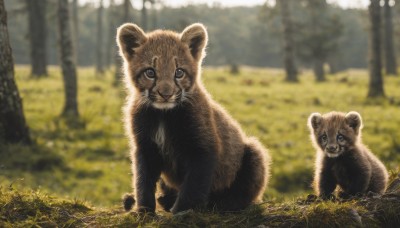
x=150, y=73
x=179, y=73
x=340, y=138
x=324, y=138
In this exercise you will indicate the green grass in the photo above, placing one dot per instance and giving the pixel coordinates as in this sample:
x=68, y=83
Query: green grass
x=36, y=209
x=92, y=163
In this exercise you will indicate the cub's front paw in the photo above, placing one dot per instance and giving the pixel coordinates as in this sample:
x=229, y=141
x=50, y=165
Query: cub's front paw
x=180, y=207
x=143, y=210
x=175, y=210
x=344, y=195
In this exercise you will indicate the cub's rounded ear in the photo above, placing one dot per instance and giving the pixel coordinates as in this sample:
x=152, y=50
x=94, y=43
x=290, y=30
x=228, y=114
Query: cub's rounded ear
x=314, y=121
x=129, y=37
x=353, y=119
x=195, y=36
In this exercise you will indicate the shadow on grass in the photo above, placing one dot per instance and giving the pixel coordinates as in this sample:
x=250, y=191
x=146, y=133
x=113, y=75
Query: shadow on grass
x=286, y=181
x=41, y=165
x=67, y=129
x=99, y=154
x=32, y=158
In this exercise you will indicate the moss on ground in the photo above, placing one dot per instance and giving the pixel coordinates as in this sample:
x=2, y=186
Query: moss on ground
x=36, y=209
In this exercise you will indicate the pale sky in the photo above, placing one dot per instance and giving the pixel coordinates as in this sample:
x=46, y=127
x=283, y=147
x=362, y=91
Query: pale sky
x=227, y=3
x=343, y=3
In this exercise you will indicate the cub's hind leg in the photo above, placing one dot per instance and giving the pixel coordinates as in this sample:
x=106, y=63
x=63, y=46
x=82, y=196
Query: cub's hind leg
x=249, y=184
x=167, y=197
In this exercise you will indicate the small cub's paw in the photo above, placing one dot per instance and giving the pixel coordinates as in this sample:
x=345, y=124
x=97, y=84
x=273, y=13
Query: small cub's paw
x=346, y=196
x=328, y=197
x=373, y=195
x=311, y=198
x=128, y=201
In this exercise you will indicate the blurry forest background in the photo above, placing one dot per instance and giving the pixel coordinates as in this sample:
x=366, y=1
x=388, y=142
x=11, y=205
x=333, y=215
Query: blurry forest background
x=238, y=35
x=83, y=153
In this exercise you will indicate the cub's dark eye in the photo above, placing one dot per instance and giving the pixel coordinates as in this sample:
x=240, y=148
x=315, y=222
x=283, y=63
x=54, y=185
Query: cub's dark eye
x=179, y=73
x=324, y=138
x=340, y=138
x=150, y=73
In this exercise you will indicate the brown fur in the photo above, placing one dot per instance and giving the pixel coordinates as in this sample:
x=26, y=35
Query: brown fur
x=200, y=152
x=342, y=158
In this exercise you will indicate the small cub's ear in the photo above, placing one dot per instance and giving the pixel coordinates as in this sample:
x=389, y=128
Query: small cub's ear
x=195, y=36
x=129, y=37
x=314, y=121
x=353, y=119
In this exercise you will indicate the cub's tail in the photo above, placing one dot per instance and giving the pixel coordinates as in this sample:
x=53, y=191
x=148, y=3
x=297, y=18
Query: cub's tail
x=128, y=201
x=260, y=162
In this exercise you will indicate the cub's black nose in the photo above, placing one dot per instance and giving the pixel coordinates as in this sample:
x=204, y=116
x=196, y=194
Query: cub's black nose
x=165, y=96
x=331, y=148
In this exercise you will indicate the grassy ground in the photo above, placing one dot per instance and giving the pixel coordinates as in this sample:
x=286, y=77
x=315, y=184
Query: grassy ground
x=36, y=209
x=91, y=163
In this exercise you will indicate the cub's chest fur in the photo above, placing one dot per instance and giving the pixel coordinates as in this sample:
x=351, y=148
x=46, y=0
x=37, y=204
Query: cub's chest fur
x=159, y=136
x=169, y=133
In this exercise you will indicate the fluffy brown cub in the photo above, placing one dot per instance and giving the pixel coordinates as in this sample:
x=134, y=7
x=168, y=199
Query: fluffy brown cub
x=342, y=159
x=179, y=136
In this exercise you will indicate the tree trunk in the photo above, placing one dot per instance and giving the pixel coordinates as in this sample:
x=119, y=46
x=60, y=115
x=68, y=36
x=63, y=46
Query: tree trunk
x=288, y=51
x=125, y=16
x=75, y=23
x=67, y=61
x=118, y=61
x=13, y=127
x=154, y=15
x=144, y=16
x=318, y=7
x=37, y=36
x=99, y=52
x=319, y=70
x=336, y=64
x=333, y=69
x=390, y=56
x=375, y=65
x=110, y=47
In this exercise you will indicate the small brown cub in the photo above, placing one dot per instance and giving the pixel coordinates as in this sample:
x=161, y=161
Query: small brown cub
x=181, y=138
x=342, y=159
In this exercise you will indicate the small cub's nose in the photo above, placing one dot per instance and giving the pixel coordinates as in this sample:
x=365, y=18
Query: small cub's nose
x=331, y=148
x=165, y=96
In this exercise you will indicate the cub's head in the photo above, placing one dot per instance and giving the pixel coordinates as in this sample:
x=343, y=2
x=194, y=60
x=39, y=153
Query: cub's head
x=335, y=132
x=162, y=66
